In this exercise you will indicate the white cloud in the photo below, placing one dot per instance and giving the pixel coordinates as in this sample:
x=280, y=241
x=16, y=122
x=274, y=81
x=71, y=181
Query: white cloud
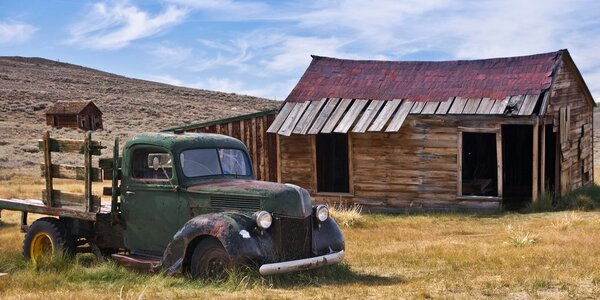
x=15, y=32
x=227, y=9
x=115, y=25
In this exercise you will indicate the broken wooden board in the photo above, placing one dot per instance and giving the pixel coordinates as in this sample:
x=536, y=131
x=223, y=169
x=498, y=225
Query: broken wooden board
x=485, y=107
x=514, y=104
x=458, y=105
x=72, y=172
x=281, y=117
x=385, y=114
x=293, y=118
x=430, y=108
x=471, y=106
x=368, y=116
x=324, y=115
x=309, y=116
x=499, y=106
x=528, y=105
x=417, y=108
x=337, y=115
x=444, y=106
x=71, y=146
x=351, y=116
x=400, y=116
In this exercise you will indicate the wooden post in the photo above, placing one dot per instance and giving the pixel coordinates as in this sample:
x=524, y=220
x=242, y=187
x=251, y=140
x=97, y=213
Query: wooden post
x=278, y=157
x=459, y=165
x=48, y=173
x=543, y=159
x=499, y=161
x=89, y=205
x=534, y=185
x=115, y=179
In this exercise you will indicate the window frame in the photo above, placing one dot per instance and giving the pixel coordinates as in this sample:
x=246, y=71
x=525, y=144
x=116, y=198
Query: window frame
x=248, y=162
x=498, y=133
x=151, y=180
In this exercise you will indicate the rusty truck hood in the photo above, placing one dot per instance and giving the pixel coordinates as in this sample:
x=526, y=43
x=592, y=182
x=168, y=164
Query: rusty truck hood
x=276, y=198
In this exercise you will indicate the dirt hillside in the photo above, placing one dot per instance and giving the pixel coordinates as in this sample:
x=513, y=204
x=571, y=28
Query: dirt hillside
x=29, y=85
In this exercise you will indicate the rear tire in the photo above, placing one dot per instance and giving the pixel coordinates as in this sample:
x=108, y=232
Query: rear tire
x=47, y=237
x=210, y=261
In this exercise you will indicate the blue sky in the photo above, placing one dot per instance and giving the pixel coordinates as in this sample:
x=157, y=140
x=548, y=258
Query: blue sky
x=261, y=48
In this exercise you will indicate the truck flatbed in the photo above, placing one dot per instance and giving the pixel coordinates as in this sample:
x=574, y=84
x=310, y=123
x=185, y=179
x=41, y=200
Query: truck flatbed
x=38, y=207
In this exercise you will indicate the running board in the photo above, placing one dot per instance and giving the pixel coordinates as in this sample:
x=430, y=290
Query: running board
x=143, y=263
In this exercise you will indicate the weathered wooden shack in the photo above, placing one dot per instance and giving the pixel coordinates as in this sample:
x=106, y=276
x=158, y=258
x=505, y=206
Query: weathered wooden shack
x=251, y=129
x=447, y=135
x=84, y=115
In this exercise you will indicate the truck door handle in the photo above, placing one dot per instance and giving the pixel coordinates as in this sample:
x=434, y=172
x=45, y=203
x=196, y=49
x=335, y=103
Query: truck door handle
x=130, y=193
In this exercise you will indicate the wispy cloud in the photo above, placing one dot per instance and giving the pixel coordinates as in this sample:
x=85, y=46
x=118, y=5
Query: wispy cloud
x=114, y=25
x=15, y=32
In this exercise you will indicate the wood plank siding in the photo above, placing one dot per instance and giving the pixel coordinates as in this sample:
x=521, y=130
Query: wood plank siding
x=412, y=169
x=576, y=160
x=252, y=131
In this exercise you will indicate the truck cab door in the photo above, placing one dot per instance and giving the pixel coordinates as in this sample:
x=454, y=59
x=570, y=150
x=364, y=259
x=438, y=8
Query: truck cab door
x=151, y=202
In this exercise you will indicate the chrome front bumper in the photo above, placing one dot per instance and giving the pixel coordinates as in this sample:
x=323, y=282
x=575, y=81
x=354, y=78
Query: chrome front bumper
x=302, y=264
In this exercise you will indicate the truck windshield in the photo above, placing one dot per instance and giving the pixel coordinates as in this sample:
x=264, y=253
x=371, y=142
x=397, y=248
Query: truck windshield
x=210, y=162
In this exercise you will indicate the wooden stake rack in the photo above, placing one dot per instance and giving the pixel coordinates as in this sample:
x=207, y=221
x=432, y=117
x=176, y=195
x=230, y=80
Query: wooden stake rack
x=86, y=202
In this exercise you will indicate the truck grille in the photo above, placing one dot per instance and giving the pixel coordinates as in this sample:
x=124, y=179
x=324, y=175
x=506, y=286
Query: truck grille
x=293, y=237
x=234, y=202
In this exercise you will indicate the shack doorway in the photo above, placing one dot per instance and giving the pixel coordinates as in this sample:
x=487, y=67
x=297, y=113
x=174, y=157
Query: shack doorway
x=479, y=164
x=517, y=141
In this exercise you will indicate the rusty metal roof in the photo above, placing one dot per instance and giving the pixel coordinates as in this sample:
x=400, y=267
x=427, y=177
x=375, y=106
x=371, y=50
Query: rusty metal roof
x=418, y=81
x=69, y=107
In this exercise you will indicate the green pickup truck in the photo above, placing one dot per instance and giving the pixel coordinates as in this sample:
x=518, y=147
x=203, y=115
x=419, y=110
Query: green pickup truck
x=182, y=203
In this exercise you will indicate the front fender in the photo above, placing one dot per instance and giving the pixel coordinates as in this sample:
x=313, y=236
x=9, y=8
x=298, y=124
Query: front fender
x=228, y=228
x=327, y=237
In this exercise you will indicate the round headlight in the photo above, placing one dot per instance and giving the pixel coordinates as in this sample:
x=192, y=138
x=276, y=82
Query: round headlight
x=264, y=220
x=322, y=213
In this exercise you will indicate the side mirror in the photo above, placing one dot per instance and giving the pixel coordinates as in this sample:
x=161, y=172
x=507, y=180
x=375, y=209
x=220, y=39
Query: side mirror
x=159, y=160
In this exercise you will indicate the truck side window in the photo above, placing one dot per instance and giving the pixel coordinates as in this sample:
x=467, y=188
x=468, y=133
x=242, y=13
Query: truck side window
x=144, y=161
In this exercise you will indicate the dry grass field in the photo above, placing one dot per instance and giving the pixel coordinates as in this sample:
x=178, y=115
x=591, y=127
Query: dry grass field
x=516, y=256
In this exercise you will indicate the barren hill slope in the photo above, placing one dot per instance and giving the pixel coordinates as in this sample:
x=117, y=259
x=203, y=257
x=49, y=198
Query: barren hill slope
x=29, y=85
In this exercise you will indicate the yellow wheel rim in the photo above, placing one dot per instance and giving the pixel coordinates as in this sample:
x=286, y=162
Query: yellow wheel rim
x=41, y=245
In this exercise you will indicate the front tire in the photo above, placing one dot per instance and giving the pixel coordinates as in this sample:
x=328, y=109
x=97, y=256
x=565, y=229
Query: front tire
x=210, y=260
x=47, y=237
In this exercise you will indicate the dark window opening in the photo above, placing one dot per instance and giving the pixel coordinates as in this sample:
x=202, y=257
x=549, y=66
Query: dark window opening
x=479, y=164
x=332, y=163
x=142, y=164
x=517, y=141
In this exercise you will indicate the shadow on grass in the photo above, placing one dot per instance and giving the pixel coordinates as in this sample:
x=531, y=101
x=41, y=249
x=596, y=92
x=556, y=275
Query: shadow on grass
x=341, y=274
